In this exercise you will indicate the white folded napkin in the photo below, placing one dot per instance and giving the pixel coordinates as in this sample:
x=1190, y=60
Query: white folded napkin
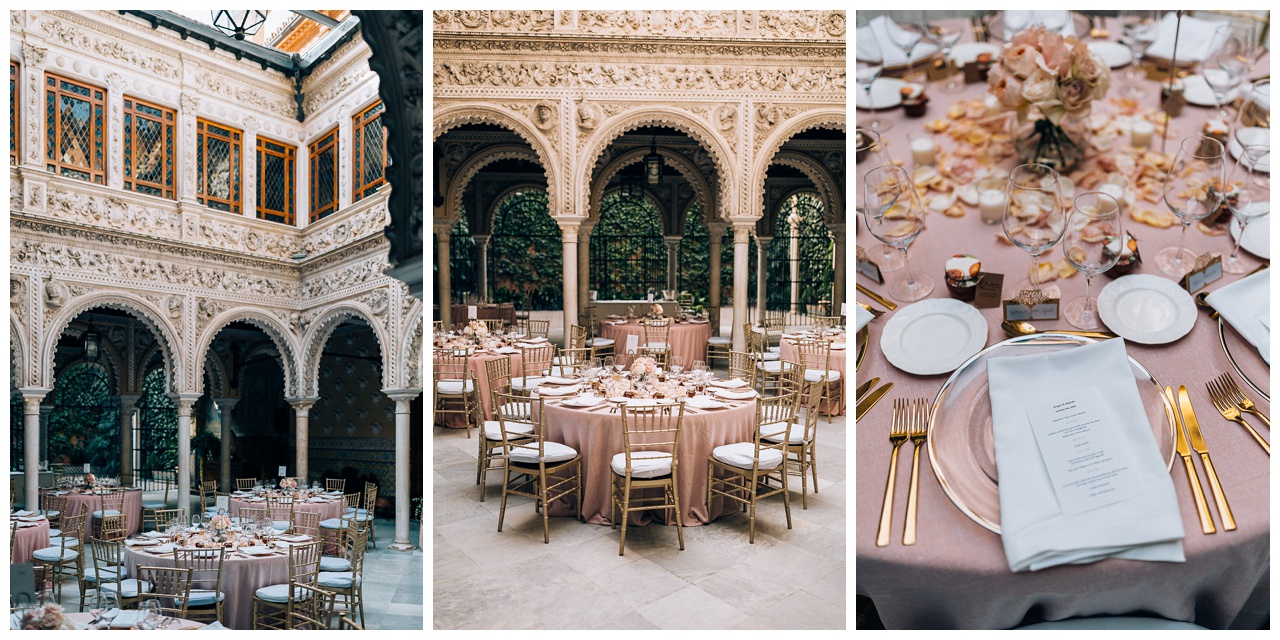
x=1194, y=42
x=214, y=626
x=125, y=619
x=298, y=538
x=735, y=383
x=256, y=550
x=883, y=26
x=24, y=525
x=162, y=548
x=584, y=401
x=21, y=513
x=1015, y=21
x=861, y=317
x=1246, y=304
x=559, y=391
x=703, y=402
x=736, y=395
x=615, y=323
x=61, y=493
x=537, y=340
x=141, y=542
x=559, y=380
x=156, y=534
x=1035, y=531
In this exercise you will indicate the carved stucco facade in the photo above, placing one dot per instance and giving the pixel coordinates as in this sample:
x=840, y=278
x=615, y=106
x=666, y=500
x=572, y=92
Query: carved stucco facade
x=741, y=83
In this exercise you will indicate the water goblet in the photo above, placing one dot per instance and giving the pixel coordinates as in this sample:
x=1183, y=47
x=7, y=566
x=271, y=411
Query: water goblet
x=874, y=153
x=148, y=614
x=907, y=35
x=1092, y=227
x=1192, y=191
x=1034, y=219
x=895, y=216
x=676, y=364
x=1252, y=199
x=1231, y=57
x=196, y=521
x=1138, y=29
x=869, y=63
x=945, y=37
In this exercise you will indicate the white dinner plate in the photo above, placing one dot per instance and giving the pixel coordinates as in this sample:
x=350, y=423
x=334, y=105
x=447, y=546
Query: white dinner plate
x=1112, y=53
x=736, y=395
x=1257, y=236
x=967, y=52
x=933, y=336
x=583, y=401
x=884, y=94
x=704, y=402
x=1199, y=93
x=1252, y=136
x=257, y=551
x=1147, y=309
x=735, y=383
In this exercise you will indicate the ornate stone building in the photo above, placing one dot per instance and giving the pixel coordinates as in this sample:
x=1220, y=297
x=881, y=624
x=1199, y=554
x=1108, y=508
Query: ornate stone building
x=252, y=231
x=737, y=103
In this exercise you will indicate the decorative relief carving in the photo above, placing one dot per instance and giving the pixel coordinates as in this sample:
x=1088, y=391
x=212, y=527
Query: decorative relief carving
x=237, y=237
x=768, y=116
x=666, y=77
x=112, y=211
x=18, y=297
x=35, y=199
x=683, y=49
x=691, y=23
x=220, y=85
x=378, y=301
x=347, y=277
x=524, y=20
x=77, y=40
x=315, y=100
x=544, y=115
x=55, y=294
x=365, y=223
x=32, y=55
x=589, y=115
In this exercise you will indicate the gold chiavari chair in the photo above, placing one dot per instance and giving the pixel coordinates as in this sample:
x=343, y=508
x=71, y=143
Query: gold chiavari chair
x=305, y=523
x=280, y=510
x=536, y=328
x=164, y=516
x=454, y=385
x=271, y=603
x=113, y=528
x=150, y=507
x=331, y=529
x=718, y=347
x=826, y=321
x=603, y=346
x=340, y=561
x=571, y=361
x=802, y=451
x=254, y=514
x=815, y=356
x=170, y=586
x=495, y=325
x=576, y=338
x=208, y=497
x=437, y=326
x=659, y=355
x=657, y=334
x=498, y=371
x=110, y=503
x=769, y=371
x=310, y=608
x=365, y=516
x=649, y=460
x=535, y=467
x=743, y=367
x=335, y=484
x=348, y=584
x=742, y=471
x=535, y=364
x=204, y=603
x=245, y=484
x=347, y=624
x=108, y=563
x=63, y=560
x=55, y=509
x=771, y=328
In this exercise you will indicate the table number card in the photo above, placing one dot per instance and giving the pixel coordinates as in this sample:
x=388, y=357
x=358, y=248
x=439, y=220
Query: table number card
x=282, y=472
x=1030, y=305
x=1207, y=271
x=86, y=467
x=868, y=268
x=990, y=288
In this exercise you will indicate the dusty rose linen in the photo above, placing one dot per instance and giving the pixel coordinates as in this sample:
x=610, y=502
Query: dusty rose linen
x=956, y=576
x=88, y=503
x=28, y=540
x=687, y=340
x=240, y=578
x=597, y=435
x=177, y=624
x=790, y=353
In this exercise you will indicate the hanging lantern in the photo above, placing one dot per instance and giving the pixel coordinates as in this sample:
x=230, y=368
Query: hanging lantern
x=632, y=187
x=91, y=343
x=239, y=24
x=653, y=164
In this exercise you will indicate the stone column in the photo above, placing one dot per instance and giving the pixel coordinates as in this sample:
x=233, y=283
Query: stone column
x=32, y=108
x=115, y=116
x=302, y=410
x=443, y=231
x=762, y=275
x=569, y=240
x=31, y=397
x=184, y=402
x=249, y=167
x=715, y=231
x=837, y=296
x=402, y=398
x=584, y=264
x=128, y=404
x=225, y=405
x=186, y=160
x=673, y=261
x=45, y=412
x=482, y=244
x=741, y=237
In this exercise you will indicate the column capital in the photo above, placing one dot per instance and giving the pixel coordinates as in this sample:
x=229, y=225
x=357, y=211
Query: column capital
x=837, y=229
x=184, y=401
x=763, y=241
x=402, y=395
x=716, y=229
x=128, y=400
x=443, y=228
x=301, y=405
x=226, y=404
x=673, y=241
x=45, y=410
x=569, y=228
x=34, y=394
x=480, y=239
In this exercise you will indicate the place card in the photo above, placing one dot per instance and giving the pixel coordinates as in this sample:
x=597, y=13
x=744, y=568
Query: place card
x=868, y=268
x=1207, y=271
x=1079, y=439
x=281, y=473
x=990, y=288
x=1030, y=304
x=86, y=467
x=939, y=70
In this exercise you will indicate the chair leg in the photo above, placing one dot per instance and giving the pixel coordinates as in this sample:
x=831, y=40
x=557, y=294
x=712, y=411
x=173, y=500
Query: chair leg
x=578, y=489
x=626, y=515
x=813, y=463
x=804, y=487
x=751, y=519
x=546, y=509
x=675, y=497
x=786, y=498
x=502, y=510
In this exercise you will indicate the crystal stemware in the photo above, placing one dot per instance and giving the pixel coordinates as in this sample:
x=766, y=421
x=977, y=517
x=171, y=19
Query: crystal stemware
x=874, y=153
x=1091, y=228
x=869, y=63
x=894, y=215
x=1231, y=57
x=1034, y=219
x=907, y=35
x=1192, y=191
x=944, y=36
x=1138, y=29
x=1251, y=179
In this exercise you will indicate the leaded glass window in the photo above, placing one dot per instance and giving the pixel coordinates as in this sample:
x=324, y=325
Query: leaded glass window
x=218, y=166
x=275, y=181
x=74, y=129
x=148, y=148
x=324, y=175
x=368, y=152
x=14, y=83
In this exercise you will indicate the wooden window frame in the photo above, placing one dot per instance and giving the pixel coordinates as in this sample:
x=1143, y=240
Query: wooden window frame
x=168, y=120
x=97, y=129
x=234, y=138
x=322, y=144
x=359, y=123
x=15, y=112
x=289, y=156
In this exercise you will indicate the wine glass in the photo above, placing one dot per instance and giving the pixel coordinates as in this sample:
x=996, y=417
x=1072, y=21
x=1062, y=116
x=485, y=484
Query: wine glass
x=944, y=36
x=869, y=63
x=196, y=520
x=149, y=614
x=1192, y=191
x=874, y=153
x=97, y=603
x=1138, y=29
x=1034, y=219
x=1091, y=228
x=1252, y=199
x=907, y=35
x=894, y=215
x=1231, y=57
x=675, y=364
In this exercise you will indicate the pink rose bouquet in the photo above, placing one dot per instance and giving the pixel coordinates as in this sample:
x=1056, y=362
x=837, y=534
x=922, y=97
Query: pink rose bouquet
x=644, y=366
x=220, y=522
x=288, y=483
x=656, y=309
x=45, y=617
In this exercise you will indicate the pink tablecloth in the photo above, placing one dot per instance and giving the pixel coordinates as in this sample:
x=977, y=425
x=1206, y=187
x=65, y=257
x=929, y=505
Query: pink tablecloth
x=88, y=503
x=956, y=575
x=28, y=540
x=790, y=353
x=240, y=578
x=327, y=510
x=597, y=435
x=173, y=624
x=476, y=364
x=687, y=340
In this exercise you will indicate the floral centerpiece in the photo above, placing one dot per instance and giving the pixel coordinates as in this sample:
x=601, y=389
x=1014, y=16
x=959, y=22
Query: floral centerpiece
x=220, y=522
x=1050, y=81
x=288, y=483
x=477, y=329
x=643, y=367
x=656, y=310
x=45, y=617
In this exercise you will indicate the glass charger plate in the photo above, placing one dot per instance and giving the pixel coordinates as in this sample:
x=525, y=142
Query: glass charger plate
x=1238, y=344
x=961, y=447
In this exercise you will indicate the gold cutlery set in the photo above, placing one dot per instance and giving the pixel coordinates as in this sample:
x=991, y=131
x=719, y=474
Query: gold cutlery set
x=1188, y=428
x=910, y=421
x=1229, y=401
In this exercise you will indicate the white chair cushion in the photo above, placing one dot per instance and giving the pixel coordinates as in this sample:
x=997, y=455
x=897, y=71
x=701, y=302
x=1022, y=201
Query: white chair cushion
x=50, y=514
x=563, y=372
x=204, y=597
x=600, y=342
x=454, y=387
x=773, y=432
x=655, y=345
x=110, y=512
x=337, y=579
x=128, y=588
x=279, y=593
x=280, y=524
x=332, y=523
x=644, y=464
x=516, y=411
x=718, y=340
x=53, y=554
x=153, y=505
x=742, y=455
x=91, y=574
x=551, y=452
x=773, y=366
x=775, y=350
x=332, y=563
x=770, y=356
x=523, y=384
x=815, y=375
x=57, y=542
x=55, y=533
x=362, y=516
x=493, y=428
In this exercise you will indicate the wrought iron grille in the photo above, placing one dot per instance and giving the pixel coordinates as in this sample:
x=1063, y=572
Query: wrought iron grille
x=628, y=254
x=275, y=181
x=84, y=425
x=155, y=438
x=812, y=262
x=463, y=258
x=218, y=166
x=74, y=130
x=369, y=151
x=148, y=148
x=323, y=184
x=14, y=84
x=526, y=253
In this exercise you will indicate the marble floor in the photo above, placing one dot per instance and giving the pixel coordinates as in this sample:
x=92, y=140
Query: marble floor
x=483, y=579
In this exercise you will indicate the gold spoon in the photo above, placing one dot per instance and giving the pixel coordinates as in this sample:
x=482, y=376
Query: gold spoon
x=1020, y=328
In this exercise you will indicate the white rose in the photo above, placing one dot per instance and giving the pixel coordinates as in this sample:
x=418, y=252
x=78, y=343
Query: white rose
x=1040, y=86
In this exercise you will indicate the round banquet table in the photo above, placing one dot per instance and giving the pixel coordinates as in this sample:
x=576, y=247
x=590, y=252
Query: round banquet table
x=956, y=575
x=327, y=510
x=789, y=352
x=28, y=539
x=241, y=577
x=173, y=624
x=688, y=339
x=476, y=364
x=597, y=435
x=78, y=503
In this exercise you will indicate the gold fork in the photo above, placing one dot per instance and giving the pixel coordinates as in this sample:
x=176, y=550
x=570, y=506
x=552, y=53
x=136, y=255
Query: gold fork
x=897, y=436
x=919, y=432
x=1233, y=392
x=1231, y=412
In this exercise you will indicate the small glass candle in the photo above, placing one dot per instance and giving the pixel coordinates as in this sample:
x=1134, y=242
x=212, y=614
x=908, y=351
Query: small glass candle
x=924, y=151
x=991, y=200
x=1141, y=134
x=1113, y=190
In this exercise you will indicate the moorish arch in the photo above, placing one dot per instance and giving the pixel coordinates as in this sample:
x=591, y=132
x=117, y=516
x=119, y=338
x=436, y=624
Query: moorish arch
x=703, y=190
x=457, y=115
x=176, y=374
x=320, y=332
x=411, y=372
x=658, y=116
x=18, y=374
x=825, y=118
x=825, y=184
x=471, y=166
x=280, y=335
x=495, y=203
x=216, y=370
x=141, y=370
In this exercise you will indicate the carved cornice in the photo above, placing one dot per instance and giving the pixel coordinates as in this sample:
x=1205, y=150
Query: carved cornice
x=674, y=23
x=124, y=50
x=491, y=73
x=215, y=82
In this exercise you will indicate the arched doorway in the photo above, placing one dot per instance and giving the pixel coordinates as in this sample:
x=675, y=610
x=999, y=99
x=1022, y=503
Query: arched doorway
x=628, y=254
x=84, y=427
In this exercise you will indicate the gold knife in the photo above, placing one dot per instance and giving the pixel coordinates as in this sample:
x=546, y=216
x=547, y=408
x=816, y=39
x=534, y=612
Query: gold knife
x=1197, y=443
x=871, y=400
x=864, y=388
x=877, y=297
x=1202, y=507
